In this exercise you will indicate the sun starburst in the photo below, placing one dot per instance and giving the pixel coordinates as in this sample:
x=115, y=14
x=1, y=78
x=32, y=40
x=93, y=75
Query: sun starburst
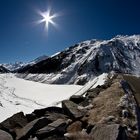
x=47, y=18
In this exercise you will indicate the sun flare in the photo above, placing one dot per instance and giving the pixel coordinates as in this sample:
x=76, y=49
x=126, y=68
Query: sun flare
x=47, y=18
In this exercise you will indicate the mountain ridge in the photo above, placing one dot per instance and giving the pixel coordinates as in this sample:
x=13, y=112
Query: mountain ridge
x=84, y=61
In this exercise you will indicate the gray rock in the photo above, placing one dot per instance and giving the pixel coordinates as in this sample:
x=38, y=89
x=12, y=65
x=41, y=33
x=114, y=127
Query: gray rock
x=17, y=120
x=58, y=127
x=41, y=112
x=12, y=124
x=31, y=117
x=54, y=116
x=108, y=132
x=77, y=99
x=71, y=109
x=92, y=93
x=31, y=127
x=5, y=136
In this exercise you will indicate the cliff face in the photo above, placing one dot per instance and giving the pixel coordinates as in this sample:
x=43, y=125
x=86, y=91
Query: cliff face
x=107, y=112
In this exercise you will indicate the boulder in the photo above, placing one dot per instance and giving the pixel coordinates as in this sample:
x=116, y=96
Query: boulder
x=31, y=127
x=92, y=93
x=54, y=116
x=71, y=109
x=31, y=117
x=14, y=123
x=5, y=136
x=41, y=112
x=17, y=120
x=57, y=127
x=77, y=99
x=108, y=132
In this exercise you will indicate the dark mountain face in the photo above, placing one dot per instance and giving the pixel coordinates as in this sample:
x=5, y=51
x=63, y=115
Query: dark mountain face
x=82, y=62
x=3, y=70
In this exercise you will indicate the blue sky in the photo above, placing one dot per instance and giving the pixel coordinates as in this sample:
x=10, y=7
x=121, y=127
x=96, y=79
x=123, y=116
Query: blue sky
x=22, y=40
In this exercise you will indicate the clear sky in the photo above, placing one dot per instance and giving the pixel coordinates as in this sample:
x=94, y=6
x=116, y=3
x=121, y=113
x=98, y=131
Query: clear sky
x=23, y=40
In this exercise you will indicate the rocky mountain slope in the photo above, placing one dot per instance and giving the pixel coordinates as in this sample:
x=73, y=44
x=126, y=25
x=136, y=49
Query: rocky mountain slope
x=13, y=66
x=3, y=69
x=107, y=112
x=84, y=61
x=18, y=65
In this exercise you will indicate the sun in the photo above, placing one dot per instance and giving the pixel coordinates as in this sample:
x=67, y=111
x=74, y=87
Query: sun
x=47, y=18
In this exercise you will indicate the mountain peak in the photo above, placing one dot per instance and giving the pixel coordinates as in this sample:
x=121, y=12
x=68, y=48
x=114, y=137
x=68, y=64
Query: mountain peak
x=83, y=61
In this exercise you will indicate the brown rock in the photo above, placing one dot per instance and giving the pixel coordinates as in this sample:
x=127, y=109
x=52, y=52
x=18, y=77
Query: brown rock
x=108, y=132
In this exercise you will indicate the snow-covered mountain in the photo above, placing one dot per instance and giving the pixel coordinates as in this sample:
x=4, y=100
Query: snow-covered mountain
x=18, y=65
x=13, y=66
x=3, y=69
x=38, y=59
x=86, y=60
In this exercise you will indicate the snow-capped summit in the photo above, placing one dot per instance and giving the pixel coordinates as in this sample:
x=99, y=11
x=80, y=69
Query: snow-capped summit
x=18, y=65
x=82, y=62
x=3, y=70
x=38, y=59
x=13, y=66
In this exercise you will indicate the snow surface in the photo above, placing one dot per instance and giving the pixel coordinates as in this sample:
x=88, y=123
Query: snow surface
x=100, y=80
x=22, y=95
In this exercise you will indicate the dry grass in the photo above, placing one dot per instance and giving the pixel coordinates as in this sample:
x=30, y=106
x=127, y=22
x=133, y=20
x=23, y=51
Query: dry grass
x=106, y=104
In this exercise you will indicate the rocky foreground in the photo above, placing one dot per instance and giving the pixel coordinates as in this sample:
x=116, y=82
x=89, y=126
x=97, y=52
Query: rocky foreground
x=108, y=112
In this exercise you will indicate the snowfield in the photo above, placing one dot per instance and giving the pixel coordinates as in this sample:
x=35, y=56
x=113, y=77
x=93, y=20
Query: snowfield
x=22, y=95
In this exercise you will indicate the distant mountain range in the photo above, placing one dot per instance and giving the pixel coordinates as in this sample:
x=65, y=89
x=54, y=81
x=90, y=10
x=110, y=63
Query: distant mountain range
x=18, y=65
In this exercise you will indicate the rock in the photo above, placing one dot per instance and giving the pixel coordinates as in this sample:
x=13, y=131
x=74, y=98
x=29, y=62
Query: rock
x=54, y=116
x=82, y=135
x=14, y=123
x=77, y=99
x=31, y=127
x=31, y=117
x=17, y=120
x=5, y=136
x=89, y=128
x=108, y=132
x=74, y=127
x=86, y=102
x=92, y=93
x=71, y=109
x=54, y=137
x=41, y=112
x=57, y=127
